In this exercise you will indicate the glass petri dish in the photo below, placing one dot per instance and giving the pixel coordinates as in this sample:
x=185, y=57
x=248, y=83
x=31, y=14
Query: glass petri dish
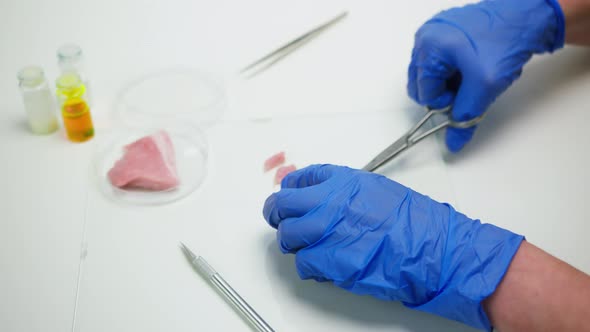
x=177, y=94
x=191, y=152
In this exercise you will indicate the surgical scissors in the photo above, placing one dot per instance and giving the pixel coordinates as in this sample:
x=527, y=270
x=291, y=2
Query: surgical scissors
x=413, y=136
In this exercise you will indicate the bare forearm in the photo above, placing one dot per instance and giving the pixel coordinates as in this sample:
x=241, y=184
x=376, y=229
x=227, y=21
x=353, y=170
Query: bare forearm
x=540, y=293
x=577, y=21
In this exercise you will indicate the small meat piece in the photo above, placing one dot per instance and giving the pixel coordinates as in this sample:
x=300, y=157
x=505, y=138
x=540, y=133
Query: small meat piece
x=274, y=161
x=283, y=171
x=148, y=163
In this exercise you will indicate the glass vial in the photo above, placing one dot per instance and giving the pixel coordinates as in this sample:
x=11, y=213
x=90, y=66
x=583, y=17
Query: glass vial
x=70, y=59
x=39, y=104
x=71, y=94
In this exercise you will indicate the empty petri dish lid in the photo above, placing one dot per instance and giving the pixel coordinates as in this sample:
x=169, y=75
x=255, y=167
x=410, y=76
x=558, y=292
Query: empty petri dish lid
x=178, y=94
x=191, y=153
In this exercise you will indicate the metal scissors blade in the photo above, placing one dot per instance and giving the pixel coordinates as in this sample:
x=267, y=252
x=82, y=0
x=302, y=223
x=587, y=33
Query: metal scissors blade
x=280, y=53
x=413, y=136
x=389, y=153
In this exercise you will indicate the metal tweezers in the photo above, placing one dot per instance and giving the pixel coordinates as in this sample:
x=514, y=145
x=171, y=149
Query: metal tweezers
x=413, y=136
x=280, y=53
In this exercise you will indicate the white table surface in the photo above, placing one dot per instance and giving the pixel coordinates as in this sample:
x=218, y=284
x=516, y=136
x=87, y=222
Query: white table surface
x=70, y=259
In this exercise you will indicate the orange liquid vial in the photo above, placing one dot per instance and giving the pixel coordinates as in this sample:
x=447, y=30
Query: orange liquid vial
x=74, y=108
x=77, y=120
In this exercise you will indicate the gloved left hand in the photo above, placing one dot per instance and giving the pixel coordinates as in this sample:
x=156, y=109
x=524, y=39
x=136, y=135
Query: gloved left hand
x=371, y=235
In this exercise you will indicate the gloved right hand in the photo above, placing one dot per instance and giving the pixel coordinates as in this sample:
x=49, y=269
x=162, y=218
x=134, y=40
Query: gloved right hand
x=470, y=55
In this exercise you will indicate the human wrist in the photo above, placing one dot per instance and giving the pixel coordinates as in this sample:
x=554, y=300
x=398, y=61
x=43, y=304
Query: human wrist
x=540, y=292
x=476, y=259
x=577, y=21
x=574, y=10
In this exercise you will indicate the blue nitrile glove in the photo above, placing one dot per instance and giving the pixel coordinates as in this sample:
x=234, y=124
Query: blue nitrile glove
x=371, y=235
x=468, y=56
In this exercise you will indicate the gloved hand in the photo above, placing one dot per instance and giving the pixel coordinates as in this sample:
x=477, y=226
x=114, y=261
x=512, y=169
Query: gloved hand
x=468, y=56
x=371, y=235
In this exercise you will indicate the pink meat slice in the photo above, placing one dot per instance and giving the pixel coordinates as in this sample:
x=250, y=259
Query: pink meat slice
x=148, y=163
x=283, y=171
x=274, y=161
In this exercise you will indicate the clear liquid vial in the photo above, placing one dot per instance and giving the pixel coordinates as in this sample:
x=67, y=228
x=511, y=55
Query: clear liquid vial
x=38, y=101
